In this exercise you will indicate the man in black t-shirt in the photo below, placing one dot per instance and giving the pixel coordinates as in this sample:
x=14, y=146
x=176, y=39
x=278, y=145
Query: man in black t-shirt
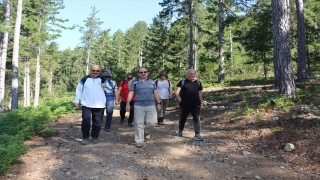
x=189, y=94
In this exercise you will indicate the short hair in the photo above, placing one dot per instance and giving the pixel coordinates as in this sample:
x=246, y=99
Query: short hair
x=141, y=68
x=129, y=74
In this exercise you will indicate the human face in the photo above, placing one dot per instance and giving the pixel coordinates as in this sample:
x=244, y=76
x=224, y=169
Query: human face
x=163, y=77
x=129, y=77
x=95, y=71
x=191, y=74
x=143, y=73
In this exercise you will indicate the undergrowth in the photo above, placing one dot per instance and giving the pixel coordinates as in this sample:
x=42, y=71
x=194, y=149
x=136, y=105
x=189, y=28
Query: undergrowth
x=22, y=124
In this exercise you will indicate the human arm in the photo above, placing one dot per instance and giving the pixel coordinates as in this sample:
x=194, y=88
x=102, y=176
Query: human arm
x=177, y=93
x=128, y=101
x=157, y=99
x=78, y=95
x=201, y=99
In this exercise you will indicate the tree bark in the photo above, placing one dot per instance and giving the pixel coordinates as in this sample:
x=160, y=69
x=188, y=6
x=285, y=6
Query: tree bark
x=221, y=41
x=191, y=66
x=282, y=56
x=302, y=50
x=37, y=84
x=87, y=61
x=4, y=49
x=15, y=58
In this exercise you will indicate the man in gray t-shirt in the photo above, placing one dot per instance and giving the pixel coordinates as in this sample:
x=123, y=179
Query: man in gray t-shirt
x=147, y=103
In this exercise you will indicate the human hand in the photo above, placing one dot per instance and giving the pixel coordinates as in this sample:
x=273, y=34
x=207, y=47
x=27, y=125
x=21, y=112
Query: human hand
x=76, y=105
x=116, y=102
x=158, y=107
x=179, y=99
x=103, y=85
x=128, y=108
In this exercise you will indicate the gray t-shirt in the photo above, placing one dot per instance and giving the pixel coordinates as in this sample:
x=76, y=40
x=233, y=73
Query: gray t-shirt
x=163, y=88
x=144, y=92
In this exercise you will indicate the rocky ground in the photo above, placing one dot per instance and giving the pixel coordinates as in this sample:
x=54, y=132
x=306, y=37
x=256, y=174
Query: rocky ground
x=234, y=147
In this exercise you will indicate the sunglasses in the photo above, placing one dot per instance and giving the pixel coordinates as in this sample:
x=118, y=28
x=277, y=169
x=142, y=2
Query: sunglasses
x=143, y=72
x=107, y=77
x=95, y=70
x=129, y=78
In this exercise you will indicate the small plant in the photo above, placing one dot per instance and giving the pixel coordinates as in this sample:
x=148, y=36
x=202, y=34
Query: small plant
x=49, y=132
x=248, y=111
x=247, y=95
x=234, y=115
x=277, y=128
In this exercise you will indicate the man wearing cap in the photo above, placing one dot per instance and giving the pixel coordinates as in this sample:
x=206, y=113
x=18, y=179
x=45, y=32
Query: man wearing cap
x=111, y=93
x=90, y=92
x=164, y=88
x=123, y=89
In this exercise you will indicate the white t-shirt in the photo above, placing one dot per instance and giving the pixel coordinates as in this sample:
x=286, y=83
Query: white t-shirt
x=163, y=89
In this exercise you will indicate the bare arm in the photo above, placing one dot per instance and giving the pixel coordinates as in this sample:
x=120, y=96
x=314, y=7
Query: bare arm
x=157, y=98
x=201, y=99
x=128, y=100
x=119, y=92
x=170, y=93
x=177, y=92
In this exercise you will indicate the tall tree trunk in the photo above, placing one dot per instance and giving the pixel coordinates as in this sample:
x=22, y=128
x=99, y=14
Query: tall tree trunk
x=282, y=56
x=15, y=57
x=191, y=35
x=87, y=61
x=50, y=83
x=4, y=49
x=37, y=85
x=221, y=41
x=195, y=57
x=140, y=58
x=231, y=43
x=302, y=50
x=28, y=84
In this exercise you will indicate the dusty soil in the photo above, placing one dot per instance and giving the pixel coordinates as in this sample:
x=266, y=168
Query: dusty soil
x=234, y=147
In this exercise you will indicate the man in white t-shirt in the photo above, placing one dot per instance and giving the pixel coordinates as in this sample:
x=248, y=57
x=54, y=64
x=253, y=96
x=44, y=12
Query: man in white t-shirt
x=164, y=88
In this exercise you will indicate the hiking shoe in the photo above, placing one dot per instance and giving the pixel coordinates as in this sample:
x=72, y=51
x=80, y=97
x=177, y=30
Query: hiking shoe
x=180, y=133
x=108, y=130
x=197, y=137
x=95, y=140
x=85, y=141
x=147, y=136
x=139, y=145
x=121, y=121
x=130, y=125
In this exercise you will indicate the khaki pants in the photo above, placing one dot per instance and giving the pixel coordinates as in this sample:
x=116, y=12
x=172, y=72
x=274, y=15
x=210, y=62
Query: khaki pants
x=144, y=114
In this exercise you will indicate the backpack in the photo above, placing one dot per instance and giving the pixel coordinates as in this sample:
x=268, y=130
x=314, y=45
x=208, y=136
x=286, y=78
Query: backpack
x=182, y=83
x=135, y=83
x=84, y=79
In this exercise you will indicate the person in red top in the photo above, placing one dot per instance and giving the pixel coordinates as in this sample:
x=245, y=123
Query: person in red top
x=124, y=87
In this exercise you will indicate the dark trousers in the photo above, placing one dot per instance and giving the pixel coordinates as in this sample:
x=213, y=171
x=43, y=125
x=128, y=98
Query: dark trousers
x=195, y=112
x=123, y=111
x=96, y=114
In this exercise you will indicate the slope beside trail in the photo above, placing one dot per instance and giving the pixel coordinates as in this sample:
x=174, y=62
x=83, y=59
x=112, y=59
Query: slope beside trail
x=229, y=151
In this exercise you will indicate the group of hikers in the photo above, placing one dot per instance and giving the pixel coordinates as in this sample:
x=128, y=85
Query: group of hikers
x=145, y=100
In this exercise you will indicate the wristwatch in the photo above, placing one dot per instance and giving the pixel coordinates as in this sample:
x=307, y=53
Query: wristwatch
x=159, y=103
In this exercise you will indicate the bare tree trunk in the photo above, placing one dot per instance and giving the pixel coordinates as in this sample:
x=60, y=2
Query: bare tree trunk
x=231, y=43
x=28, y=84
x=37, y=85
x=4, y=49
x=195, y=57
x=140, y=58
x=15, y=58
x=282, y=56
x=302, y=50
x=221, y=41
x=87, y=62
x=191, y=35
x=50, y=83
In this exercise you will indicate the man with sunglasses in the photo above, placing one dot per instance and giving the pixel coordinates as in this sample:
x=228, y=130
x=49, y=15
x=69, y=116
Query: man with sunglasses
x=111, y=93
x=123, y=89
x=147, y=103
x=92, y=98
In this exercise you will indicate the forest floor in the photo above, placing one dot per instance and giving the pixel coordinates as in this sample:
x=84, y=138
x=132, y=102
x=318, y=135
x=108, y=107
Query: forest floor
x=234, y=147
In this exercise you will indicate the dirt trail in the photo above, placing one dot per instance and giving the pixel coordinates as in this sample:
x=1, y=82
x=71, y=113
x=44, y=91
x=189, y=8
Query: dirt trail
x=227, y=152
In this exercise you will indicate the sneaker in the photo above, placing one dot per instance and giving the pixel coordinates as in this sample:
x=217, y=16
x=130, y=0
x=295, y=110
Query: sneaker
x=139, y=145
x=180, y=133
x=85, y=141
x=121, y=121
x=95, y=140
x=130, y=125
x=197, y=137
x=108, y=130
x=147, y=136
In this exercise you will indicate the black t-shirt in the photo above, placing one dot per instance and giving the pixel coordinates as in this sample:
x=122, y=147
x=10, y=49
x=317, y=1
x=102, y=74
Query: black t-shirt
x=189, y=93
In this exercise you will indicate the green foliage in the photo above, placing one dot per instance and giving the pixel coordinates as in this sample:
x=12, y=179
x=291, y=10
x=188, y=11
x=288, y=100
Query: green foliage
x=277, y=128
x=49, y=132
x=21, y=124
